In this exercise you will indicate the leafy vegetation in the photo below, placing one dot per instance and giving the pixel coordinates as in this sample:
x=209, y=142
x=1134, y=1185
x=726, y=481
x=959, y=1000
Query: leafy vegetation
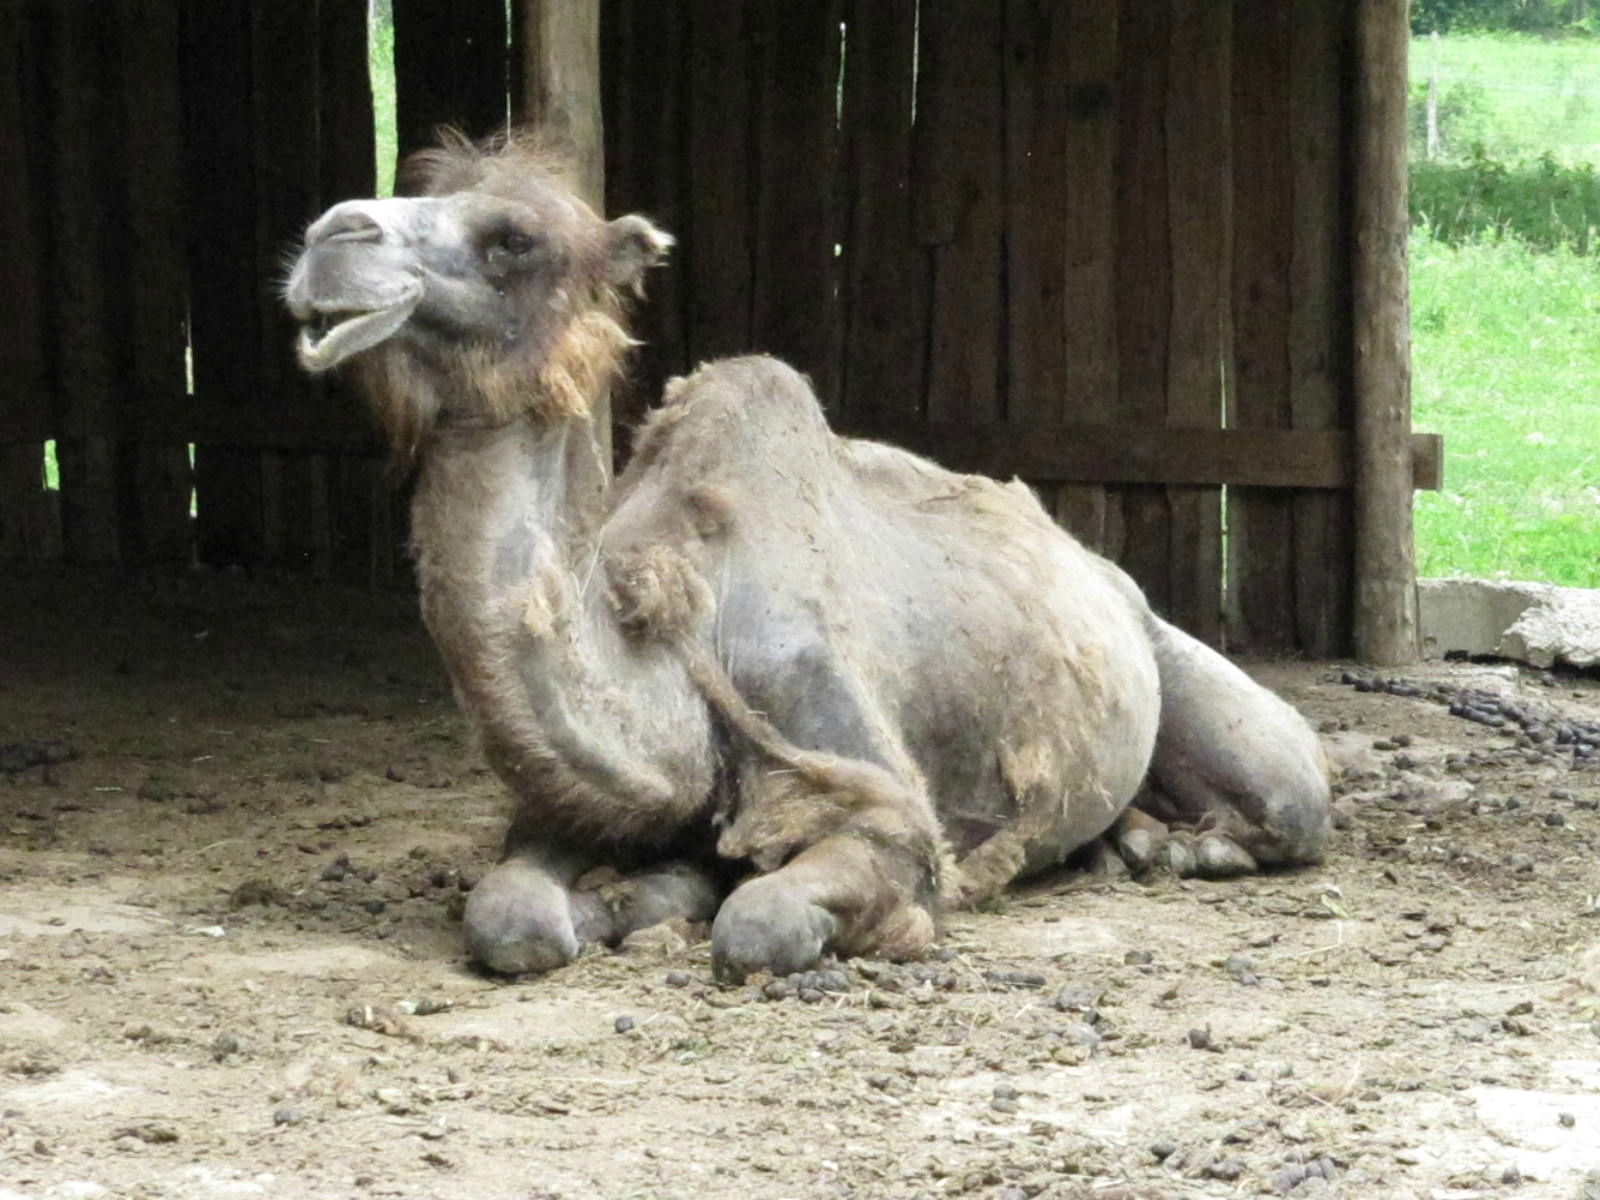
x=380, y=63
x=1520, y=16
x=1510, y=97
x=1541, y=205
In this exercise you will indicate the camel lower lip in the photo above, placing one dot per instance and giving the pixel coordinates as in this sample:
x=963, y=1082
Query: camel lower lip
x=332, y=337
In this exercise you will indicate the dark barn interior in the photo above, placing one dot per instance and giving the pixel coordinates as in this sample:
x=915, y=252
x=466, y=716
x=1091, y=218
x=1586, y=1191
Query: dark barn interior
x=1140, y=255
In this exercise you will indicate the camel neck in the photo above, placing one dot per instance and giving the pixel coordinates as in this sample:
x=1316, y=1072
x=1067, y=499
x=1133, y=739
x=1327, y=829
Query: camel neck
x=492, y=504
x=515, y=599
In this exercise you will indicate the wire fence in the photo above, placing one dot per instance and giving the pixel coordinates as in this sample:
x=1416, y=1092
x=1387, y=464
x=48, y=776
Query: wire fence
x=1512, y=98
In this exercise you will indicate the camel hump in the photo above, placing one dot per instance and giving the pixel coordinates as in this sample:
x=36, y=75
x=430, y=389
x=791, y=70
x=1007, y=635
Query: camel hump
x=749, y=384
x=754, y=408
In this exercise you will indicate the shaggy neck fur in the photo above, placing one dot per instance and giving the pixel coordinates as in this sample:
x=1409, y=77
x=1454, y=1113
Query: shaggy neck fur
x=409, y=397
x=601, y=736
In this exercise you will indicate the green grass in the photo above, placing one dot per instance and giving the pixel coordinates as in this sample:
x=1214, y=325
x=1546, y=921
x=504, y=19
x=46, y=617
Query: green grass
x=1506, y=364
x=1505, y=305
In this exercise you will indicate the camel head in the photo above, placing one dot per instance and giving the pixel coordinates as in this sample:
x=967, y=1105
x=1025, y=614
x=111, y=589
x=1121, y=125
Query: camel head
x=487, y=291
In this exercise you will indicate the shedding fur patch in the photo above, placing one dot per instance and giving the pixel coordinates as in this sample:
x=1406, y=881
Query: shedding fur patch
x=987, y=870
x=783, y=812
x=583, y=363
x=710, y=509
x=547, y=606
x=499, y=166
x=658, y=592
x=1028, y=767
x=585, y=359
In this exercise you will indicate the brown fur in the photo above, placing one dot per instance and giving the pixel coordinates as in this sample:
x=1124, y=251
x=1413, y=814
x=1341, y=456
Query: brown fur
x=402, y=398
x=406, y=396
x=514, y=164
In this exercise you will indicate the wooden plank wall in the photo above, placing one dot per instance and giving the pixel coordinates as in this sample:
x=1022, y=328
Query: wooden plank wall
x=180, y=148
x=285, y=474
x=1119, y=213
x=452, y=67
x=1127, y=216
x=29, y=521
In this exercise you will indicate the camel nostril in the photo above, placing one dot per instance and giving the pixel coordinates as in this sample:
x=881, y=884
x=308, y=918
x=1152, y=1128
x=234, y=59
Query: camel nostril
x=344, y=224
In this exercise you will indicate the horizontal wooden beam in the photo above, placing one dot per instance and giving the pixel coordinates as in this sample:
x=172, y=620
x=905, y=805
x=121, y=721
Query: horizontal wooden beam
x=1274, y=458
x=342, y=425
x=1091, y=454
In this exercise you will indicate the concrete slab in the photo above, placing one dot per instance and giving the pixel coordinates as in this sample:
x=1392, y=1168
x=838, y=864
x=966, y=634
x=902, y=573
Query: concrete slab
x=1535, y=623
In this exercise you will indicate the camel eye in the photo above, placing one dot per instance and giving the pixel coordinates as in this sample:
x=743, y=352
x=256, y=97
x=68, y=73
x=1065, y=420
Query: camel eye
x=515, y=244
x=510, y=249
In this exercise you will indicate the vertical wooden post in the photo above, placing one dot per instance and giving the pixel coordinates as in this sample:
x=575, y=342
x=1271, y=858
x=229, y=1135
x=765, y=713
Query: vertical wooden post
x=795, y=311
x=958, y=176
x=224, y=289
x=286, y=38
x=715, y=255
x=89, y=313
x=1385, y=566
x=1260, y=520
x=1199, y=221
x=561, y=87
x=155, y=280
x=561, y=80
x=1143, y=307
x=1036, y=181
x=1322, y=44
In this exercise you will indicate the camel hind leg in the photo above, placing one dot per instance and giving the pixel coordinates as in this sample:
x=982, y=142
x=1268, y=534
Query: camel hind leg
x=1234, y=762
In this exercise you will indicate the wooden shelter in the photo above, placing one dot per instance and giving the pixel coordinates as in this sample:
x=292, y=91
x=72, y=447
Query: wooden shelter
x=1147, y=254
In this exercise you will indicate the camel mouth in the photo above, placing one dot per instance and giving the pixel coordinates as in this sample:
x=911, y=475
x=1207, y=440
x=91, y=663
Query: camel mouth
x=332, y=335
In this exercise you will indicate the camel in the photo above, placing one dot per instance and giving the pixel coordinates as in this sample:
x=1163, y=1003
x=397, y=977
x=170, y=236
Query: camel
x=811, y=688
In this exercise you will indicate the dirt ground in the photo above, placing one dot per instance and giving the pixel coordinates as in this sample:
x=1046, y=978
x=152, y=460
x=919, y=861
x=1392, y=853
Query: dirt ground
x=237, y=822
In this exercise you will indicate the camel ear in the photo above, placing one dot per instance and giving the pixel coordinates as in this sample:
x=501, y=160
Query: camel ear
x=633, y=246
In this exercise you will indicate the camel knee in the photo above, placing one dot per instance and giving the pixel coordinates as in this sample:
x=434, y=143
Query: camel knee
x=840, y=895
x=519, y=920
